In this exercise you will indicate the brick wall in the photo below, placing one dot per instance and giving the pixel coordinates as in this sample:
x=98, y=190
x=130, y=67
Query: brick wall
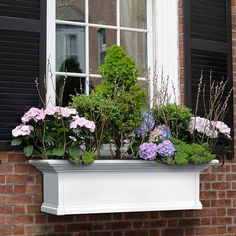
x=21, y=196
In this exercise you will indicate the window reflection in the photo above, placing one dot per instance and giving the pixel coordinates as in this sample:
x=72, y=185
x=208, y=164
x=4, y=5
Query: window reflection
x=67, y=86
x=100, y=39
x=133, y=13
x=70, y=44
x=135, y=44
x=70, y=10
x=102, y=12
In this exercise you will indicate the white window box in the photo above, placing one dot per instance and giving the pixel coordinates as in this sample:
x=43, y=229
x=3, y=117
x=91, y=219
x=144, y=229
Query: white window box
x=118, y=186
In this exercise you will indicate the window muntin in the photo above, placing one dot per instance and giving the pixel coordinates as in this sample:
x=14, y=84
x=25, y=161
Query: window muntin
x=85, y=28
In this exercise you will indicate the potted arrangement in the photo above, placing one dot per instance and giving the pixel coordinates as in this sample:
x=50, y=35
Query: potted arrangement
x=157, y=155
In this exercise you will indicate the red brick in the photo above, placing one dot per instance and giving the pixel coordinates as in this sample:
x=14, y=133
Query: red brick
x=6, y=189
x=206, y=231
x=222, y=221
x=19, y=219
x=59, y=228
x=220, y=203
x=19, y=230
x=6, y=168
x=231, y=194
x=20, y=189
x=6, y=230
x=136, y=215
x=99, y=217
x=40, y=219
x=2, y=179
x=21, y=168
x=5, y=210
x=137, y=233
x=19, y=209
x=208, y=194
x=17, y=157
x=16, y=199
x=33, y=208
x=79, y=227
x=189, y=222
x=34, y=189
x=172, y=232
x=19, y=179
x=221, y=185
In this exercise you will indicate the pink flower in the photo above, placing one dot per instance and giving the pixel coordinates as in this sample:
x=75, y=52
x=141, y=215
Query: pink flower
x=81, y=121
x=33, y=113
x=221, y=127
x=78, y=121
x=66, y=112
x=22, y=130
x=90, y=125
x=51, y=110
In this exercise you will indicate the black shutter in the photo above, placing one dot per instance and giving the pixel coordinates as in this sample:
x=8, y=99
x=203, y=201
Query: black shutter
x=208, y=46
x=22, y=60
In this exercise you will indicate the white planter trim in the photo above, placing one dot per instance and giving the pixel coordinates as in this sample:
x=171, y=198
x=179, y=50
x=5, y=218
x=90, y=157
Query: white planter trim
x=118, y=186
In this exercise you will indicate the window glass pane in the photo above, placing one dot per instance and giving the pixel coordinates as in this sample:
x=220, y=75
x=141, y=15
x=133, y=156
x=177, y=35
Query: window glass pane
x=71, y=10
x=66, y=86
x=135, y=44
x=99, y=41
x=70, y=49
x=133, y=13
x=102, y=12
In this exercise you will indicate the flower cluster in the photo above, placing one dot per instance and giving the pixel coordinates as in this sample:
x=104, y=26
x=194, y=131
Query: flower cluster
x=148, y=124
x=54, y=131
x=158, y=139
x=211, y=129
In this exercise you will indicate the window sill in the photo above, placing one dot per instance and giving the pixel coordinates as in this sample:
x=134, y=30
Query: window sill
x=118, y=186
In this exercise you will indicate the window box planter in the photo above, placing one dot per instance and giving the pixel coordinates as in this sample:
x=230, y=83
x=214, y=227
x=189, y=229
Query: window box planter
x=118, y=186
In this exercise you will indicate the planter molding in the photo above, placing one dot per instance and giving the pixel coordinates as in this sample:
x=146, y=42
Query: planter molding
x=118, y=186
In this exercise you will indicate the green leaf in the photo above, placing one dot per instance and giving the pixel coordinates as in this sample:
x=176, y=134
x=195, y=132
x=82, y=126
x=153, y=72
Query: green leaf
x=62, y=130
x=58, y=151
x=74, y=151
x=16, y=142
x=28, y=150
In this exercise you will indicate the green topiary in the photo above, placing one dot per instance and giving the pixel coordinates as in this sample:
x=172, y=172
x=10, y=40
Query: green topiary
x=119, y=84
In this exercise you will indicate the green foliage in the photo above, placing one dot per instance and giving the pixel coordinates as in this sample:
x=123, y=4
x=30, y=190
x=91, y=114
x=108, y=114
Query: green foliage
x=118, y=70
x=176, y=117
x=190, y=153
x=119, y=84
x=16, y=142
x=99, y=109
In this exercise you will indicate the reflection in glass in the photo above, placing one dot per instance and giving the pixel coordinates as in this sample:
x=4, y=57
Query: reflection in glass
x=70, y=10
x=70, y=44
x=135, y=44
x=102, y=12
x=67, y=86
x=93, y=83
x=99, y=41
x=133, y=13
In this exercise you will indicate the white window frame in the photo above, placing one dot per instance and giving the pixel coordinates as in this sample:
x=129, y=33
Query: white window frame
x=162, y=38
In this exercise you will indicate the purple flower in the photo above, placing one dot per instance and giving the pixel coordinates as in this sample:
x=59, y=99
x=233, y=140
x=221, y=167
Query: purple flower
x=166, y=149
x=148, y=124
x=148, y=151
x=159, y=133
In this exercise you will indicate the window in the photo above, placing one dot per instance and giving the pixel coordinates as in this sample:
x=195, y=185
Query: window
x=84, y=29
